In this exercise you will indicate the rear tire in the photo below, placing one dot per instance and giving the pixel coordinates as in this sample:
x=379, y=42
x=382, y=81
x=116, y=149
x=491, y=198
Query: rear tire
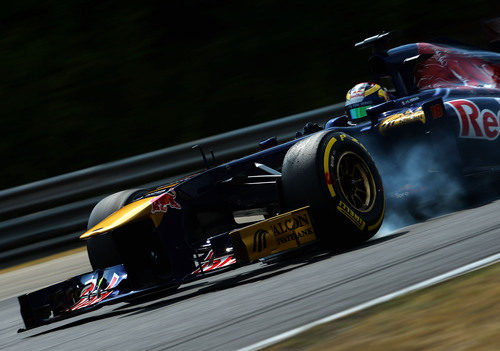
x=102, y=249
x=335, y=175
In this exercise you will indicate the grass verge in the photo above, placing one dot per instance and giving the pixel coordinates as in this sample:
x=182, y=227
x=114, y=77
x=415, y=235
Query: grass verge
x=460, y=314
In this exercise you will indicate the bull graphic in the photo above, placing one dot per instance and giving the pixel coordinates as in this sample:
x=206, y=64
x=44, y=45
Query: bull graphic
x=163, y=202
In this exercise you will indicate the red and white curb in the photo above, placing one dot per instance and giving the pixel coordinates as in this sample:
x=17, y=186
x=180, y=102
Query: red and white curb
x=424, y=284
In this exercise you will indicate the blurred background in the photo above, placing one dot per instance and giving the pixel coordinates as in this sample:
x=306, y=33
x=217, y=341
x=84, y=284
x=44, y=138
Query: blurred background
x=85, y=83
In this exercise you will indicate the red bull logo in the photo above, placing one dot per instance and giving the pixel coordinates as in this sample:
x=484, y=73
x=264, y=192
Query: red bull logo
x=164, y=201
x=476, y=123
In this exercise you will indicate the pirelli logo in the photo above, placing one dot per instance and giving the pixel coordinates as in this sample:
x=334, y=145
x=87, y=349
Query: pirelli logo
x=354, y=218
x=276, y=234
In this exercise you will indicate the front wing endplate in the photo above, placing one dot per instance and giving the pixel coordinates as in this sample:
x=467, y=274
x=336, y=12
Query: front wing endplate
x=277, y=234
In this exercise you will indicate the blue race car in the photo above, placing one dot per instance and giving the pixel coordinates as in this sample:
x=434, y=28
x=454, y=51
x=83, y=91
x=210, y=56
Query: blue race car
x=321, y=189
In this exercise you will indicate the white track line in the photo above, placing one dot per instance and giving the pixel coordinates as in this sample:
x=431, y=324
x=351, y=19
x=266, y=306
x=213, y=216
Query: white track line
x=426, y=283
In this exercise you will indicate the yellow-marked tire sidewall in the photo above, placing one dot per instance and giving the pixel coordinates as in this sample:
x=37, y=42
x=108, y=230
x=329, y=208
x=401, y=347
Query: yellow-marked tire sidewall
x=305, y=183
x=365, y=222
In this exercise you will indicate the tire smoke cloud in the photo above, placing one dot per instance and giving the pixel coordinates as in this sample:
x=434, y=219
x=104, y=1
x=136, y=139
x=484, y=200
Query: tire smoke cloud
x=418, y=183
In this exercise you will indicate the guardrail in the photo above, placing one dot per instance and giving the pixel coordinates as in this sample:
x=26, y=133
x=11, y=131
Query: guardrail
x=54, y=211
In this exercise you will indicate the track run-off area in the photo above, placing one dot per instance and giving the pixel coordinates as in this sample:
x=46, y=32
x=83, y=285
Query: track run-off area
x=253, y=303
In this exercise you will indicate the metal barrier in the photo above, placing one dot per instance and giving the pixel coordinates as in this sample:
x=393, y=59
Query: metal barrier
x=55, y=210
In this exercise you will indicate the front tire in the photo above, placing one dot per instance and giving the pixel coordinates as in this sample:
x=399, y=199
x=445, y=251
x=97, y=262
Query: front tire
x=102, y=249
x=336, y=176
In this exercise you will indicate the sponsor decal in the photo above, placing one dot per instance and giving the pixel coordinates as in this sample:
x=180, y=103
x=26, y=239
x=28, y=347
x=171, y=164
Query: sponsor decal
x=277, y=234
x=399, y=119
x=436, y=111
x=161, y=203
x=454, y=68
x=290, y=224
x=357, y=91
x=409, y=101
x=259, y=240
x=474, y=122
x=354, y=218
x=357, y=142
x=292, y=228
x=92, y=294
x=294, y=236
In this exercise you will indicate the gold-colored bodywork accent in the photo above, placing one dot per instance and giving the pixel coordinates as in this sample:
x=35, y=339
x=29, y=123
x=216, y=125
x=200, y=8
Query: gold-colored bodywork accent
x=126, y=214
x=280, y=233
x=162, y=188
x=400, y=119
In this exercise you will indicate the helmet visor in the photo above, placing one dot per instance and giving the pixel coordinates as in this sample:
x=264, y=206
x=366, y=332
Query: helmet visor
x=358, y=112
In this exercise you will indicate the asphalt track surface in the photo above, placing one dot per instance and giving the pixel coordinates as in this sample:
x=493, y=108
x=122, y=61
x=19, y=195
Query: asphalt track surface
x=249, y=304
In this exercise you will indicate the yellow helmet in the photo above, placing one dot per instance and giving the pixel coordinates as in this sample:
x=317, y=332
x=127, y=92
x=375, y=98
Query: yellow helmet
x=361, y=97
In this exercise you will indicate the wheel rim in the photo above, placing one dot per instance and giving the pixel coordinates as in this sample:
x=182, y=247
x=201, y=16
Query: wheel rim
x=356, y=181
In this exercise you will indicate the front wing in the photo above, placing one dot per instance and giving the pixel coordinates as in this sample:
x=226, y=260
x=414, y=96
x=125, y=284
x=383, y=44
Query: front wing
x=74, y=296
x=102, y=287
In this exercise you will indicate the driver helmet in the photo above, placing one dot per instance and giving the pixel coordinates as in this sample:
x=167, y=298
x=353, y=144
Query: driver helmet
x=361, y=97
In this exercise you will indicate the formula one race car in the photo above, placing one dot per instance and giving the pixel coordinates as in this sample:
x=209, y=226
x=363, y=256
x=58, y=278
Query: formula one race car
x=320, y=189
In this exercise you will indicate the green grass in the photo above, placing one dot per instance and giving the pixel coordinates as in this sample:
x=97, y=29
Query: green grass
x=460, y=314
